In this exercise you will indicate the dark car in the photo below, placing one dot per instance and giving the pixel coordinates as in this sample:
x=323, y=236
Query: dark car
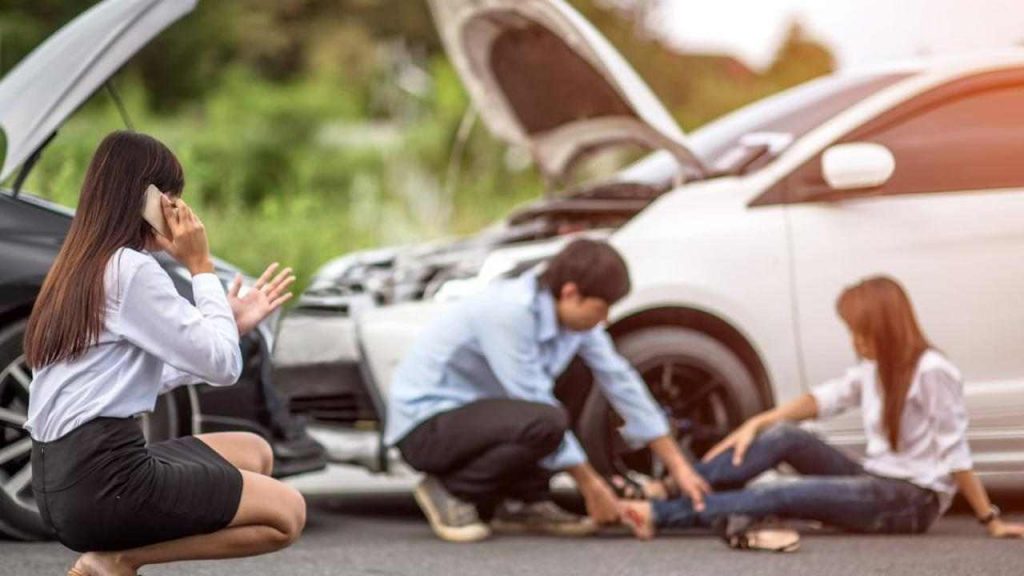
x=36, y=98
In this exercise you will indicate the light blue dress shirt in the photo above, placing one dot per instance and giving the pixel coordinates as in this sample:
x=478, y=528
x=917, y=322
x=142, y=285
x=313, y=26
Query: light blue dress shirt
x=506, y=342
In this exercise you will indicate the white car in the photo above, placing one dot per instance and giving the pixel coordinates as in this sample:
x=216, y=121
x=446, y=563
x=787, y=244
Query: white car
x=739, y=236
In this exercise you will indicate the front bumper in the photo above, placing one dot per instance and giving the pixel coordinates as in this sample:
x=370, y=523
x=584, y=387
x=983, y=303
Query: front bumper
x=317, y=366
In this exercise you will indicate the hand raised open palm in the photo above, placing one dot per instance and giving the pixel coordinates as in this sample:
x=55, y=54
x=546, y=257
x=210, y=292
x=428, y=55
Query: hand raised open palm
x=259, y=301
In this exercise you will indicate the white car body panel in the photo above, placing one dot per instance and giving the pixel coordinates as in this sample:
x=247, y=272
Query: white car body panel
x=687, y=250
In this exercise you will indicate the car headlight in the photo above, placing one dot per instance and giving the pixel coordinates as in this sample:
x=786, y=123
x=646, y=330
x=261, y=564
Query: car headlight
x=469, y=281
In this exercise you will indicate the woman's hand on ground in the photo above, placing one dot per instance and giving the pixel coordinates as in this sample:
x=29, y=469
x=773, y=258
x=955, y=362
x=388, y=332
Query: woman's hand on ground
x=262, y=299
x=740, y=440
x=999, y=529
x=187, y=244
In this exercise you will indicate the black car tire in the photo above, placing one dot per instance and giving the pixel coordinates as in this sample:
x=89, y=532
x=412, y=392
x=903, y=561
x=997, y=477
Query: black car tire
x=19, y=515
x=707, y=393
x=170, y=418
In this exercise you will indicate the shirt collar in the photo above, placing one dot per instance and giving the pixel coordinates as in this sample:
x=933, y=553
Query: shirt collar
x=547, y=316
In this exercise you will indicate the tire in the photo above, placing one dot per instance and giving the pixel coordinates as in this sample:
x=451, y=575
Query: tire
x=170, y=418
x=702, y=385
x=19, y=515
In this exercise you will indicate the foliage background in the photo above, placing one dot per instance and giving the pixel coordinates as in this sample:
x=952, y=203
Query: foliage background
x=310, y=128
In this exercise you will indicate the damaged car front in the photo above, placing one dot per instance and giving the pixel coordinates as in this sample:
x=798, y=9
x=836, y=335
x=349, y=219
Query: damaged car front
x=542, y=79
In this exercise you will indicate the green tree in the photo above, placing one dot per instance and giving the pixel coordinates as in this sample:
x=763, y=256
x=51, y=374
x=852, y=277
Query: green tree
x=799, y=58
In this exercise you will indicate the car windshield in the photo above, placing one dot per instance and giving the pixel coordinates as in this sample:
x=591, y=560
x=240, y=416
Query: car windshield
x=787, y=116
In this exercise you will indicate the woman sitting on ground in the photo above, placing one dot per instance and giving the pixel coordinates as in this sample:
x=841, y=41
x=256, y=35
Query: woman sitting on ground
x=916, y=428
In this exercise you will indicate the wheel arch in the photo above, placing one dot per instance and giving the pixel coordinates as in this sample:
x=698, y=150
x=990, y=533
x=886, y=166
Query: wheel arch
x=16, y=313
x=706, y=323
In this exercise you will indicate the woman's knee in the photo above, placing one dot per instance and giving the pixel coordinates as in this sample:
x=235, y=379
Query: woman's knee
x=293, y=520
x=265, y=454
x=273, y=504
x=244, y=450
x=784, y=433
x=259, y=453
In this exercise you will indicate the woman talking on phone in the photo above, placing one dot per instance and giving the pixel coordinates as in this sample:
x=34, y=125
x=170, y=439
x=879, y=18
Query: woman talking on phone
x=107, y=335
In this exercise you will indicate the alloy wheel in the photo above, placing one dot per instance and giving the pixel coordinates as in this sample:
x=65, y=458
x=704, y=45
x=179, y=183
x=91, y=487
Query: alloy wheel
x=15, y=442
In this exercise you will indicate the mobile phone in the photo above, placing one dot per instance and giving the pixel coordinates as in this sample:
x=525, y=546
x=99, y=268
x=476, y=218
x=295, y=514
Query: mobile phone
x=153, y=212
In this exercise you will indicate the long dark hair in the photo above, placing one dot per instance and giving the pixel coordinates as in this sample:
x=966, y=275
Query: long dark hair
x=879, y=311
x=68, y=314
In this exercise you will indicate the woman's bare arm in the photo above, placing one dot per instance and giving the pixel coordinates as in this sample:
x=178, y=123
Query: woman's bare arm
x=976, y=495
x=803, y=408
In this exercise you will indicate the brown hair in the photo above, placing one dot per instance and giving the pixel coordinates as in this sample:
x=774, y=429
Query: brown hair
x=68, y=313
x=879, y=311
x=596, y=268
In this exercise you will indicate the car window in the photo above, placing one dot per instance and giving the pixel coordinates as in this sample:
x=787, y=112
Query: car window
x=972, y=143
x=790, y=114
x=794, y=112
x=961, y=137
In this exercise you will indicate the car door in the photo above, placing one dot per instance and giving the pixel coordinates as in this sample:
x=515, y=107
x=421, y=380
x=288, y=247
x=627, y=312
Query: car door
x=948, y=226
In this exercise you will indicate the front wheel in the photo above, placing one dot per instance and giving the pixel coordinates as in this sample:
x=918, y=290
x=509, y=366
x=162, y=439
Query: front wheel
x=19, y=514
x=701, y=386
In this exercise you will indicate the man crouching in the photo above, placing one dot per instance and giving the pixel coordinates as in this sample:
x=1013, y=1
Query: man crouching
x=472, y=404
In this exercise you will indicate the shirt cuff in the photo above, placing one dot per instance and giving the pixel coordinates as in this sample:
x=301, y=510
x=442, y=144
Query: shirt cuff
x=824, y=398
x=569, y=454
x=959, y=458
x=208, y=284
x=640, y=434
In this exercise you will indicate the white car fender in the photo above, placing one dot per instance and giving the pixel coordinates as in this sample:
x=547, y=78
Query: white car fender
x=771, y=337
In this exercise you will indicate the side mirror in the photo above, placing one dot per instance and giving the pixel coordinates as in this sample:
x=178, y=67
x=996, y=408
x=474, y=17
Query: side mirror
x=857, y=165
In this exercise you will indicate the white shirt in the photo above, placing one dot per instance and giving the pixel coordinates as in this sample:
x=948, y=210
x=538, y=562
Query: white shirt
x=152, y=340
x=933, y=429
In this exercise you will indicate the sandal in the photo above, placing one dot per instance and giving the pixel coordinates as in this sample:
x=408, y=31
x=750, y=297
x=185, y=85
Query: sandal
x=742, y=533
x=627, y=487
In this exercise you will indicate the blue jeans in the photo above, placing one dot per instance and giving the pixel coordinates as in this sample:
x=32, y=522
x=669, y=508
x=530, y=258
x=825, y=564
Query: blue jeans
x=833, y=489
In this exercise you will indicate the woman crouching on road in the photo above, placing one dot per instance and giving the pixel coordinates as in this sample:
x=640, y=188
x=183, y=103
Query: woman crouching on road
x=107, y=335
x=917, y=454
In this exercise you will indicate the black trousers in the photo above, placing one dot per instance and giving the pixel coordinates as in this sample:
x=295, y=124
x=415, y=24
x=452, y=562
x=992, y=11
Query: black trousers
x=487, y=451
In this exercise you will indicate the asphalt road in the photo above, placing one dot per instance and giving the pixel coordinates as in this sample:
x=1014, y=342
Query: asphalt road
x=376, y=529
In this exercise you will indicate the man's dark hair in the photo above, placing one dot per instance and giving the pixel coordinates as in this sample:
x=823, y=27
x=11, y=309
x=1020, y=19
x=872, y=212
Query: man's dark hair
x=596, y=268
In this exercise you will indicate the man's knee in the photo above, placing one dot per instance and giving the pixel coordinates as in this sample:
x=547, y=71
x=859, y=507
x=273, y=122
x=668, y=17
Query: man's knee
x=547, y=427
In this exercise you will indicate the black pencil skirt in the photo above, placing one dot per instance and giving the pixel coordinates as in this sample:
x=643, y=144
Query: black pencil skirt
x=102, y=489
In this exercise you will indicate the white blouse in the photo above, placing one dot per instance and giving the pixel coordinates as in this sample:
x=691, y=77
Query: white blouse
x=933, y=429
x=152, y=340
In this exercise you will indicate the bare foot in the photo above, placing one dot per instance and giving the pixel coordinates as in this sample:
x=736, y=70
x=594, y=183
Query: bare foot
x=637, y=515
x=101, y=564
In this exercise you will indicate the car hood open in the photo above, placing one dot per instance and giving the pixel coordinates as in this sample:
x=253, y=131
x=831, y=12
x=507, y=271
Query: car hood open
x=541, y=76
x=46, y=87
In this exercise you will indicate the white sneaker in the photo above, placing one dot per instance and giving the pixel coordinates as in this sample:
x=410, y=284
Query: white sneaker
x=451, y=519
x=544, y=517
